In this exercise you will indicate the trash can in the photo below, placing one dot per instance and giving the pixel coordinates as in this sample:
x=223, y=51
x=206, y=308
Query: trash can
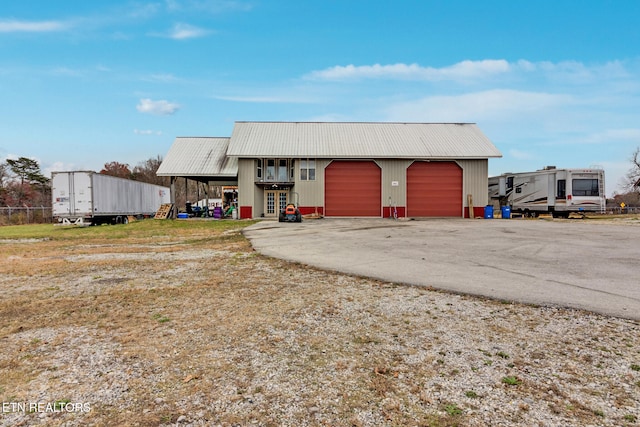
x=488, y=212
x=217, y=212
x=506, y=212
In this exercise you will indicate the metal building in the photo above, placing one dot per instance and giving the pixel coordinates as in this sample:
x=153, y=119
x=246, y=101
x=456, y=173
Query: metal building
x=346, y=169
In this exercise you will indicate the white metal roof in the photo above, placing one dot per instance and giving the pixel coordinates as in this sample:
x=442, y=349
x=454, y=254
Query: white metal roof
x=199, y=157
x=360, y=140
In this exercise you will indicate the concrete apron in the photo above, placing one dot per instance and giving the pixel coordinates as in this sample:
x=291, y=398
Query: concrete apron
x=583, y=264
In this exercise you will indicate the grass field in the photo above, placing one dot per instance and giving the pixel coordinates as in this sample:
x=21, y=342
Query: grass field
x=164, y=322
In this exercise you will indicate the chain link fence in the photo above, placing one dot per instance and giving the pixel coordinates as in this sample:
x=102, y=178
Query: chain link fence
x=617, y=210
x=25, y=215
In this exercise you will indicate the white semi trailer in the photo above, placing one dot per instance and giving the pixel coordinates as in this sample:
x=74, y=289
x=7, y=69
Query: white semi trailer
x=550, y=190
x=90, y=198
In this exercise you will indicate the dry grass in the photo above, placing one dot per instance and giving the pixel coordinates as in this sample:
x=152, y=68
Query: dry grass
x=158, y=322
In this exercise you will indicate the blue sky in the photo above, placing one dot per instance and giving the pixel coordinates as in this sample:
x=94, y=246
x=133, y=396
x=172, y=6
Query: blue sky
x=83, y=83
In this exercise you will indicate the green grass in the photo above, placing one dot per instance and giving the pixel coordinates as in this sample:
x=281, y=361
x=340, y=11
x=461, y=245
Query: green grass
x=452, y=409
x=137, y=229
x=511, y=380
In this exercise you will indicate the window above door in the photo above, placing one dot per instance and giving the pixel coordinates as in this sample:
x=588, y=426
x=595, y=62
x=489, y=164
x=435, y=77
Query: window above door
x=275, y=171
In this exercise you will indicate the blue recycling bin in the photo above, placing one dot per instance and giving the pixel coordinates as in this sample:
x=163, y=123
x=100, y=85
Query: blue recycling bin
x=488, y=212
x=506, y=212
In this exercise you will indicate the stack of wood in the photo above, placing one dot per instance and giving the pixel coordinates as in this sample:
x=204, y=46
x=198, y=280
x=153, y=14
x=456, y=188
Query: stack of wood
x=164, y=211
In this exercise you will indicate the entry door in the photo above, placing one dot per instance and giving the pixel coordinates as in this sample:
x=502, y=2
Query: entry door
x=274, y=202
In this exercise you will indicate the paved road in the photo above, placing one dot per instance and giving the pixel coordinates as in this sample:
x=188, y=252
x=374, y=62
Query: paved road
x=582, y=264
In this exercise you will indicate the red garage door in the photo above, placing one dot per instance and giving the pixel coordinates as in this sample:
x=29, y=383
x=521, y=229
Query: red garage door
x=434, y=189
x=352, y=188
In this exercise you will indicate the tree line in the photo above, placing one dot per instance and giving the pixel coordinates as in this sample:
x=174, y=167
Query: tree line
x=22, y=183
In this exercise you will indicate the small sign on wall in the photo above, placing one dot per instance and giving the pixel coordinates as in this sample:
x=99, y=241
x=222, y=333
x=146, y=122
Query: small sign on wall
x=395, y=183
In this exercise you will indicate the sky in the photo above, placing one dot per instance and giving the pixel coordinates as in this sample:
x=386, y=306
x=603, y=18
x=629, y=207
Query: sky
x=549, y=82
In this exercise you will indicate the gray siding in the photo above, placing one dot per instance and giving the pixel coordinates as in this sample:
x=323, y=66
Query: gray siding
x=394, y=171
x=247, y=190
x=311, y=193
x=475, y=181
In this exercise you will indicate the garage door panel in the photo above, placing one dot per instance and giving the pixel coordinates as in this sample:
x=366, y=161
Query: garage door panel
x=434, y=189
x=353, y=189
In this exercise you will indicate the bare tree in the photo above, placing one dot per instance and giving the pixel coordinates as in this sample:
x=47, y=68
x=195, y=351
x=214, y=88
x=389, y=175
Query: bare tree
x=117, y=169
x=633, y=176
x=146, y=171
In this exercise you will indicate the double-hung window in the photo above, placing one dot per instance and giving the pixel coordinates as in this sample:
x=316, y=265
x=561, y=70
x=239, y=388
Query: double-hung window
x=282, y=170
x=259, y=169
x=307, y=170
x=274, y=170
x=271, y=170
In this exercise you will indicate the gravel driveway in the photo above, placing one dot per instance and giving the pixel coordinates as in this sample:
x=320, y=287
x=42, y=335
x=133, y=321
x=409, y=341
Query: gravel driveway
x=165, y=323
x=584, y=264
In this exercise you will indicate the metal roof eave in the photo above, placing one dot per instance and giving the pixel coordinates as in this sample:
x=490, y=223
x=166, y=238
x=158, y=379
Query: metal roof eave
x=417, y=157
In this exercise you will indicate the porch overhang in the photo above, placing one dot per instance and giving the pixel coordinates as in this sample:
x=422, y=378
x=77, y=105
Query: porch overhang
x=274, y=185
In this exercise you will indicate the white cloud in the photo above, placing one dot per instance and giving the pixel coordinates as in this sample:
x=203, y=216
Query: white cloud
x=57, y=167
x=277, y=99
x=160, y=108
x=521, y=155
x=613, y=135
x=65, y=71
x=570, y=73
x=497, y=104
x=14, y=26
x=146, y=132
x=460, y=71
x=208, y=6
x=143, y=11
x=163, y=78
x=182, y=31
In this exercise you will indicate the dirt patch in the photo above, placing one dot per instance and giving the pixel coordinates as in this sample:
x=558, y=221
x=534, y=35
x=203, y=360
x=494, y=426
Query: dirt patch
x=197, y=329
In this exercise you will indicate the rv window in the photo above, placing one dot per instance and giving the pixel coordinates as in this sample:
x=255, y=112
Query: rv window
x=562, y=189
x=585, y=187
x=509, y=183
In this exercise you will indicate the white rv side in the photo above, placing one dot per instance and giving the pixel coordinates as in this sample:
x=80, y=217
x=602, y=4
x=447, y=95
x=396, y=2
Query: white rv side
x=550, y=190
x=90, y=198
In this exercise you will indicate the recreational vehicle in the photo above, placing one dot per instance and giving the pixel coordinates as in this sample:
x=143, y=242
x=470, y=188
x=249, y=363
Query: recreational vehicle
x=550, y=190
